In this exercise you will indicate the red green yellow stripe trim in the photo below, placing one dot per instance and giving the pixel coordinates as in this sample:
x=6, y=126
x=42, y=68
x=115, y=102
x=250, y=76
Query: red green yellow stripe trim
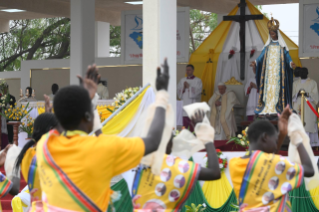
x=194, y=173
x=5, y=188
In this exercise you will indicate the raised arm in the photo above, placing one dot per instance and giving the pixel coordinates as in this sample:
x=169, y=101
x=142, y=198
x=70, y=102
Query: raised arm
x=205, y=133
x=283, y=127
x=154, y=135
x=297, y=136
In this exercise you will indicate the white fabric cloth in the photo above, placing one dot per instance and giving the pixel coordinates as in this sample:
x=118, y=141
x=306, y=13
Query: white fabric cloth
x=193, y=108
x=231, y=101
x=12, y=155
x=4, y=129
x=281, y=41
x=185, y=144
x=179, y=113
x=297, y=134
x=102, y=91
x=252, y=98
x=310, y=86
x=25, y=197
x=192, y=94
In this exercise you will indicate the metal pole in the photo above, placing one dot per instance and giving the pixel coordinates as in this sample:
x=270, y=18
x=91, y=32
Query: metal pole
x=302, y=115
x=123, y=106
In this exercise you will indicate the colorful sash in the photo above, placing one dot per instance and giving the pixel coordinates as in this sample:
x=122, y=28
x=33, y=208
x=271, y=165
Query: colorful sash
x=61, y=194
x=267, y=180
x=32, y=173
x=168, y=191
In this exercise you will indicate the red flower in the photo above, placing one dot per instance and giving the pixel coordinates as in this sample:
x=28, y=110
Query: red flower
x=218, y=150
x=225, y=165
x=252, y=51
x=232, y=52
x=220, y=160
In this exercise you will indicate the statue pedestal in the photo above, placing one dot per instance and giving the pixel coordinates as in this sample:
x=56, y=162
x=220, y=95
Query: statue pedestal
x=15, y=125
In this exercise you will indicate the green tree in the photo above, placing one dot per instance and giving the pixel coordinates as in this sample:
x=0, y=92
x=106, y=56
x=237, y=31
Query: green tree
x=34, y=40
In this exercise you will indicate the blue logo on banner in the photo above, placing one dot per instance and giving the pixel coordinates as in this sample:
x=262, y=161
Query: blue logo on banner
x=138, y=38
x=137, y=35
x=315, y=26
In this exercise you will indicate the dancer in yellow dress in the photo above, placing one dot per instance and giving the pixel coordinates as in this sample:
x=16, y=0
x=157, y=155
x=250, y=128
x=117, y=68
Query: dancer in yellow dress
x=76, y=169
x=263, y=179
x=169, y=190
x=27, y=157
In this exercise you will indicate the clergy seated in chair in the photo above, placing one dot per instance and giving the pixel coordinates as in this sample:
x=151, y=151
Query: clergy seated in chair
x=311, y=89
x=252, y=93
x=222, y=116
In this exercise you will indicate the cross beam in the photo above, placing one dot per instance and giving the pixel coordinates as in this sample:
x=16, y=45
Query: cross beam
x=241, y=19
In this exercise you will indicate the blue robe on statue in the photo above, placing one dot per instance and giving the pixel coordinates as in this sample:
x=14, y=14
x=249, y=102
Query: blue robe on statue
x=274, y=78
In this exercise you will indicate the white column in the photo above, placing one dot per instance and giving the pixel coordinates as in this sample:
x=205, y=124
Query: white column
x=82, y=37
x=159, y=41
x=102, y=39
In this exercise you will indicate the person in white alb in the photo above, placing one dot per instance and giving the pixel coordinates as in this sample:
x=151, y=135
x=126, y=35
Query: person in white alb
x=252, y=93
x=189, y=90
x=222, y=115
x=311, y=89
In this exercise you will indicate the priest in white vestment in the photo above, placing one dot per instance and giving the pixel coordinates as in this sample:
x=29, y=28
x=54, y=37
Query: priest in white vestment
x=189, y=90
x=296, y=74
x=252, y=93
x=102, y=90
x=311, y=89
x=222, y=116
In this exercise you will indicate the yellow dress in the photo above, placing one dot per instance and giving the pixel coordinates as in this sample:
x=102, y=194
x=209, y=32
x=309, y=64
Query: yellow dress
x=79, y=168
x=262, y=182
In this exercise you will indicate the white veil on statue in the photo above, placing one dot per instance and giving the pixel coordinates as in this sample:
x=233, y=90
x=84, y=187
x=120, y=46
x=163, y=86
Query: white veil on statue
x=281, y=41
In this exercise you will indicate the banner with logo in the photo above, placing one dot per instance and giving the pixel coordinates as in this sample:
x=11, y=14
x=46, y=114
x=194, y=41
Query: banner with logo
x=310, y=38
x=132, y=29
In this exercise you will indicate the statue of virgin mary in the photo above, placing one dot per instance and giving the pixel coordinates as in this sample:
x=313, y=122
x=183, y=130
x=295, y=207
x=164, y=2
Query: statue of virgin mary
x=274, y=73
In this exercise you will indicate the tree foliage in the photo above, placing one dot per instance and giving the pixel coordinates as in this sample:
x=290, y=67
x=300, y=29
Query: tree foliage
x=35, y=39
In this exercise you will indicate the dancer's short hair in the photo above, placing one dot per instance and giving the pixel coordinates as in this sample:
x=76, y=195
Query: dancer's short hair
x=257, y=128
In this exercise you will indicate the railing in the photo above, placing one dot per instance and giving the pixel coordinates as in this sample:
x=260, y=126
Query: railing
x=123, y=106
x=302, y=115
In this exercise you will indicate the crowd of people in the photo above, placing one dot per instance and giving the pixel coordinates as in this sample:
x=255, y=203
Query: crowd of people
x=68, y=170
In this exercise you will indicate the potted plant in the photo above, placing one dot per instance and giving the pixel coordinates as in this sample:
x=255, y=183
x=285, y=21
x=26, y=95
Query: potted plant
x=14, y=117
x=27, y=126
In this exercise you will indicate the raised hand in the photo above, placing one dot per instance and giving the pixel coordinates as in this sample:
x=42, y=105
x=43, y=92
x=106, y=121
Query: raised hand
x=3, y=155
x=293, y=65
x=91, y=80
x=198, y=117
x=253, y=64
x=47, y=104
x=283, y=120
x=162, y=79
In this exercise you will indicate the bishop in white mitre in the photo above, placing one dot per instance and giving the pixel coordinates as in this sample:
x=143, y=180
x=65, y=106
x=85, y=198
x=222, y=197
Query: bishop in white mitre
x=189, y=90
x=252, y=93
x=311, y=89
x=222, y=116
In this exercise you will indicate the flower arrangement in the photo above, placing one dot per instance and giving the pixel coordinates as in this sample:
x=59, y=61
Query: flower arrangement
x=231, y=54
x=252, y=52
x=4, y=100
x=27, y=126
x=221, y=159
x=122, y=97
x=241, y=139
x=16, y=114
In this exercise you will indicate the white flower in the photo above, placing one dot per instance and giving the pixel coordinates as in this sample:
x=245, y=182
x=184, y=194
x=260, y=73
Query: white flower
x=242, y=143
x=204, y=205
x=239, y=136
x=221, y=166
x=11, y=100
x=223, y=157
x=246, y=129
